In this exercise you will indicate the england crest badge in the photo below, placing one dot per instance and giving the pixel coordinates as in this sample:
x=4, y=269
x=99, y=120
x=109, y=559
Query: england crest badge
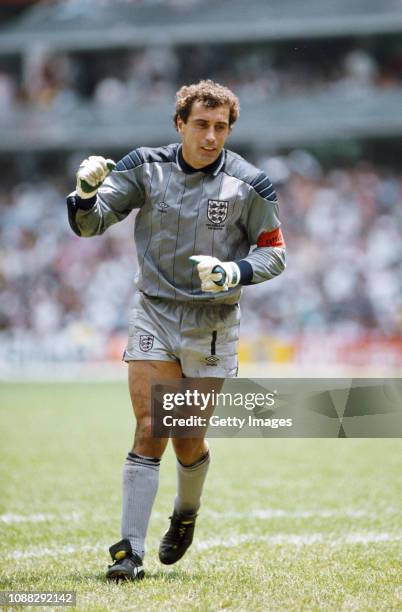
x=146, y=343
x=217, y=211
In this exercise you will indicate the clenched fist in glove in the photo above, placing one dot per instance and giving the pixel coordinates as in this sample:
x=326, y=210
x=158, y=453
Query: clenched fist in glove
x=91, y=174
x=216, y=275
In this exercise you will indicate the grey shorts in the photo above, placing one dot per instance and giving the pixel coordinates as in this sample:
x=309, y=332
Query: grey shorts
x=203, y=338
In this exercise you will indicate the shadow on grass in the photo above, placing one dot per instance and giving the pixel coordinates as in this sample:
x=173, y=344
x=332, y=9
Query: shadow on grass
x=76, y=579
x=173, y=575
x=167, y=576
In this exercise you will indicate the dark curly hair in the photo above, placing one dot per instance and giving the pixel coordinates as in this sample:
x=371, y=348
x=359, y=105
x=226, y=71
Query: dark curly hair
x=211, y=94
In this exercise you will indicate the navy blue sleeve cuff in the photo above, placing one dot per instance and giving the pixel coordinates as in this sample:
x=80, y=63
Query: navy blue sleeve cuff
x=72, y=211
x=246, y=272
x=85, y=204
x=75, y=203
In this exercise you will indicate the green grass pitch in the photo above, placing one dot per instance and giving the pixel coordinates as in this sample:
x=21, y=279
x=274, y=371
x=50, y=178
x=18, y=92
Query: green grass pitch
x=284, y=525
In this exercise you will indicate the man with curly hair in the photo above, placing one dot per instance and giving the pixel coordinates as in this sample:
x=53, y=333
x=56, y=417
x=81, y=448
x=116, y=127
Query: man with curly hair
x=201, y=210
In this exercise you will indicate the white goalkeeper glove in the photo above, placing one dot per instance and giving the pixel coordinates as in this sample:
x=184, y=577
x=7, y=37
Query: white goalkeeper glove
x=91, y=174
x=216, y=275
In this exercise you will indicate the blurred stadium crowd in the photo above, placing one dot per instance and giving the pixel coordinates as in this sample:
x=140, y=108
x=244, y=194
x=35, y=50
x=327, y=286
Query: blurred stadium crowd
x=64, y=81
x=64, y=297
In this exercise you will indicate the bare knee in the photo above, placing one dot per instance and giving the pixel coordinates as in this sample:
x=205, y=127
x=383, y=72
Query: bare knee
x=141, y=376
x=189, y=450
x=144, y=442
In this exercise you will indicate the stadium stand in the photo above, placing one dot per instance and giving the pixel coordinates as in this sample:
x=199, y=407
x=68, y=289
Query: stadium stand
x=342, y=228
x=320, y=93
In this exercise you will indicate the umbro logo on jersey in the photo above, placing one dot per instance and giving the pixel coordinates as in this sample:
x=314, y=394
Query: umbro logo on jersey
x=211, y=360
x=146, y=343
x=162, y=206
x=217, y=211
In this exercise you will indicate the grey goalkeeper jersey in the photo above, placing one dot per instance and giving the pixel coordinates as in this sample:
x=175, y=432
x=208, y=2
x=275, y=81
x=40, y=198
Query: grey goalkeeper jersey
x=222, y=210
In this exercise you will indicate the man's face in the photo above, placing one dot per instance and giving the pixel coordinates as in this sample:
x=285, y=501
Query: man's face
x=204, y=134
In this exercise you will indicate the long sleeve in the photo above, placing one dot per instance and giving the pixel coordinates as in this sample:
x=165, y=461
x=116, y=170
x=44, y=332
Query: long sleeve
x=267, y=260
x=266, y=263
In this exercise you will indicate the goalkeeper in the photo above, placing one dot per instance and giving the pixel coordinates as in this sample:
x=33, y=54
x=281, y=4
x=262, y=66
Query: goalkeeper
x=207, y=224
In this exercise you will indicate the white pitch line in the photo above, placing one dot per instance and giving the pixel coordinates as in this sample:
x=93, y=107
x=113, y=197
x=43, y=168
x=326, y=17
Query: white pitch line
x=285, y=539
x=45, y=551
x=272, y=513
x=263, y=514
x=231, y=541
x=10, y=518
